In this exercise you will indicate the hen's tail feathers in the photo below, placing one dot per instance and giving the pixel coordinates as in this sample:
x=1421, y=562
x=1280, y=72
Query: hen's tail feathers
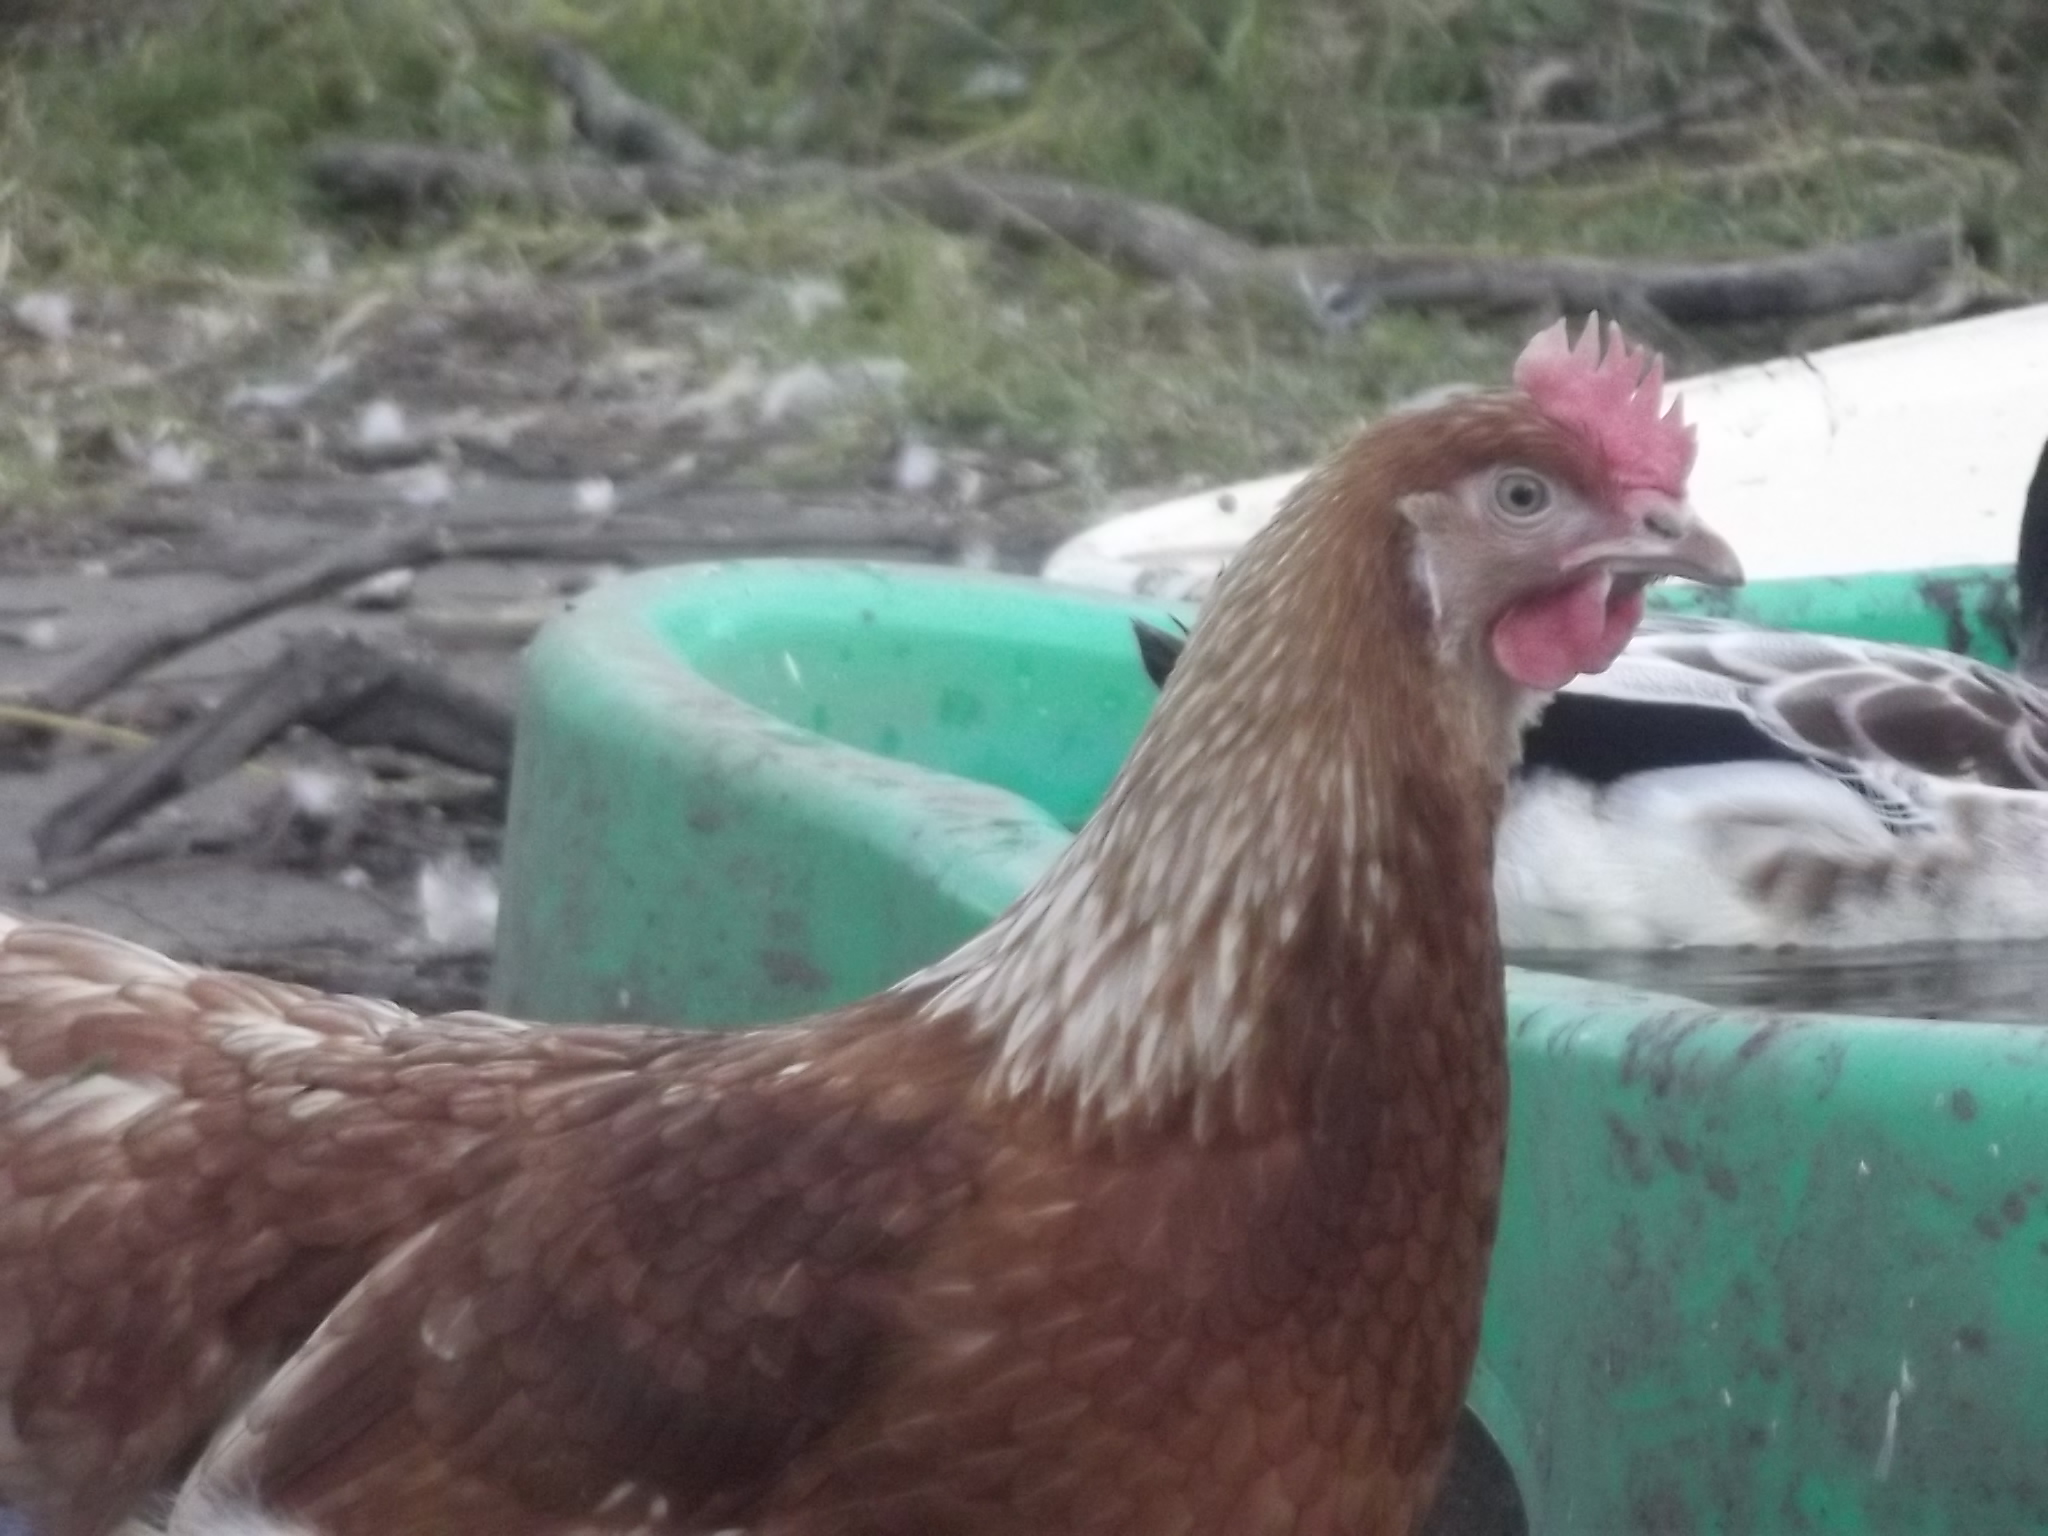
x=197, y=1164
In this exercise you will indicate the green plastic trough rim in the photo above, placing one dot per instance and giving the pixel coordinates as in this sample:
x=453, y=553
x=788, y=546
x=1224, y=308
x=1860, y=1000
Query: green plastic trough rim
x=631, y=648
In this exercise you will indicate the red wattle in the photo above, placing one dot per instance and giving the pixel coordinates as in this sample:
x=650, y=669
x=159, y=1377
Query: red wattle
x=1546, y=641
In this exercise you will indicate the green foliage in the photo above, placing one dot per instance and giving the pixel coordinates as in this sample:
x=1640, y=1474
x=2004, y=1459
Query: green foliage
x=1285, y=120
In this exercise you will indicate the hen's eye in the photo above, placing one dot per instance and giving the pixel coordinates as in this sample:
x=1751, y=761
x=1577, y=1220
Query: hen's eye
x=1521, y=494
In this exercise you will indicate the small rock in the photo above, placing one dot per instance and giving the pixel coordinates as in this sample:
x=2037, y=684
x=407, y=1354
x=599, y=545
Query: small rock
x=596, y=496
x=918, y=466
x=977, y=552
x=46, y=315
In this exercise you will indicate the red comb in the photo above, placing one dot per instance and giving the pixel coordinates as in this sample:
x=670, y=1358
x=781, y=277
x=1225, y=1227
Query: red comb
x=1615, y=396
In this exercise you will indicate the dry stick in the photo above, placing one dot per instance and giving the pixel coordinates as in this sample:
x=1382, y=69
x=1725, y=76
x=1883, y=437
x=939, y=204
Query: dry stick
x=1774, y=17
x=613, y=119
x=783, y=527
x=1959, y=296
x=131, y=850
x=1161, y=242
x=120, y=659
x=413, y=180
x=1151, y=239
x=1147, y=238
x=419, y=711
x=1158, y=241
x=1785, y=287
x=319, y=675
x=1602, y=140
x=410, y=181
x=341, y=684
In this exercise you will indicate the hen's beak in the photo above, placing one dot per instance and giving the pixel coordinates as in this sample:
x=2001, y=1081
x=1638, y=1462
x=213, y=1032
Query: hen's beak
x=1669, y=541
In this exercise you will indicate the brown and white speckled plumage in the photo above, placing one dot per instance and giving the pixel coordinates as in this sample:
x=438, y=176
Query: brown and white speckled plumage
x=1163, y=1206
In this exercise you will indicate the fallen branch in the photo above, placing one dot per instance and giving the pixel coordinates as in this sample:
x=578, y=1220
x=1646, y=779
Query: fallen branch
x=692, y=526
x=1598, y=141
x=1774, y=18
x=131, y=850
x=1159, y=242
x=1149, y=238
x=1143, y=237
x=410, y=181
x=121, y=658
x=416, y=710
x=1959, y=296
x=340, y=684
x=615, y=121
x=1776, y=288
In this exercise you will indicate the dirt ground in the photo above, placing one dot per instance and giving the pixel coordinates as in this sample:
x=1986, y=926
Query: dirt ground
x=195, y=446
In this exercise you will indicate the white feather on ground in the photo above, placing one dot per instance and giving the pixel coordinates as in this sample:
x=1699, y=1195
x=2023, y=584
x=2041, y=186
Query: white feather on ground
x=458, y=904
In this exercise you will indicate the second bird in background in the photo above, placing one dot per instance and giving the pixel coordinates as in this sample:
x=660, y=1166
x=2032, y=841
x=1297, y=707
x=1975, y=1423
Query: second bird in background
x=1726, y=784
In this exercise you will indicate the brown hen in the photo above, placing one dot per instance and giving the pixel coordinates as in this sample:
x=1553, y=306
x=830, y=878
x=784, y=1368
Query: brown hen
x=1163, y=1206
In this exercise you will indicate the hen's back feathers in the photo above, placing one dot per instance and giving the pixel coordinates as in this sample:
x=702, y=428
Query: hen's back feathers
x=661, y=1265
x=677, y=1283
x=196, y=1166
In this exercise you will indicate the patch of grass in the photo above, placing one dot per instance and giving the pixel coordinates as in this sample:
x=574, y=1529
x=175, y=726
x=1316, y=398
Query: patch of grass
x=1296, y=120
x=1062, y=358
x=1285, y=119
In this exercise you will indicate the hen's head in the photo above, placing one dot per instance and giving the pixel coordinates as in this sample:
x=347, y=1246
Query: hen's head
x=1540, y=514
x=1525, y=522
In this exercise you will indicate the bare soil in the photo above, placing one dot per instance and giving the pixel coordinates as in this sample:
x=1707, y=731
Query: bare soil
x=193, y=443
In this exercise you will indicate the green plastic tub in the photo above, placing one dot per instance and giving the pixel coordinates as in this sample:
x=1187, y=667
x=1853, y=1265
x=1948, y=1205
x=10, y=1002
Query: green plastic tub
x=1757, y=1273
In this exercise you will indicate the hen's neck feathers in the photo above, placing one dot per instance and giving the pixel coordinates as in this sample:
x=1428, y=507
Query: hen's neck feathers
x=1315, y=796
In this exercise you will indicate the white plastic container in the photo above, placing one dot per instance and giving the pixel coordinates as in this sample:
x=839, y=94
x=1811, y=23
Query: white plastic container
x=1900, y=453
